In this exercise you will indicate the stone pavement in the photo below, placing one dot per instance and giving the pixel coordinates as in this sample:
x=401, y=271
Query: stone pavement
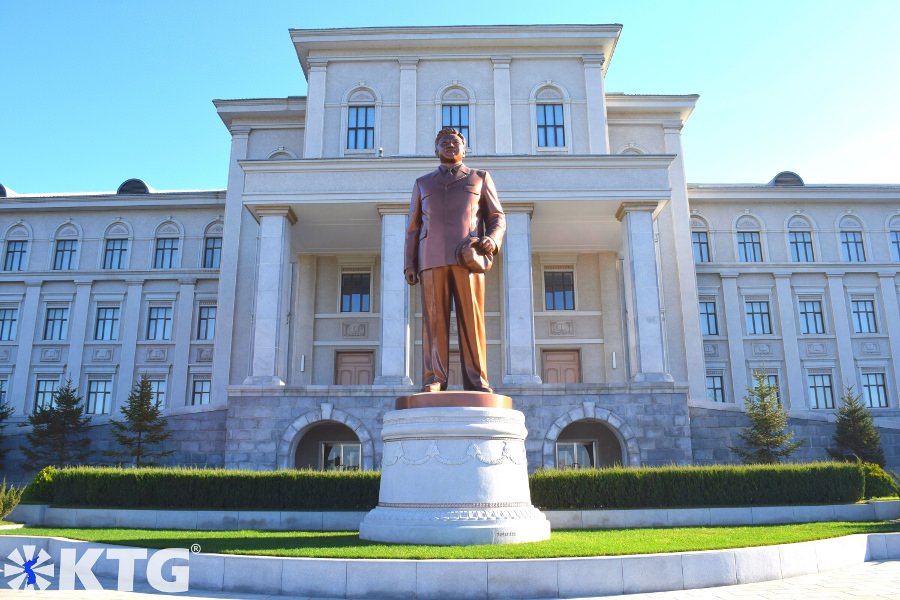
x=869, y=581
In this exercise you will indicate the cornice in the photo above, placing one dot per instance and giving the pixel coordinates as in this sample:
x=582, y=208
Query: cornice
x=817, y=193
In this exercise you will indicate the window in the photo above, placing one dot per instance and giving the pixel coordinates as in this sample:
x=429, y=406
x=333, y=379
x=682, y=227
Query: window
x=550, y=126
x=360, y=127
x=715, y=388
x=206, y=323
x=457, y=117
x=14, y=260
x=45, y=392
x=811, y=321
x=575, y=455
x=758, y=321
x=709, y=322
x=64, y=255
x=200, y=391
x=874, y=390
x=212, y=252
x=159, y=323
x=99, y=398
x=895, y=245
x=158, y=391
x=863, y=316
x=9, y=317
x=355, y=292
x=749, y=247
x=700, y=242
x=852, y=249
x=801, y=246
x=3, y=386
x=166, y=256
x=772, y=380
x=821, y=394
x=56, y=324
x=341, y=456
x=107, y=325
x=559, y=290
x=115, y=255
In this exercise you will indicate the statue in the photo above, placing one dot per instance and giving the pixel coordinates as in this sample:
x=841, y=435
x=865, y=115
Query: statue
x=456, y=225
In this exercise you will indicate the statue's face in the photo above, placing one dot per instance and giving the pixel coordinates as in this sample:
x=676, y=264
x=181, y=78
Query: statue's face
x=450, y=148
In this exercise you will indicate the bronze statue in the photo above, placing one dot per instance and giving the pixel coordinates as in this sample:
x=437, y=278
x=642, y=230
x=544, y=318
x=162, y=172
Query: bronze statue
x=456, y=225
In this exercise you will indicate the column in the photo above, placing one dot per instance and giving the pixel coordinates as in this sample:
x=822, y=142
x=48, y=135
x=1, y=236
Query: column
x=313, y=134
x=502, y=106
x=595, y=95
x=394, y=300
x=272, y=285
x=642, y=292
x=131, y=319
x=28, y=322
x=518, y=297
x=891, y=323
x=184, y=326
x=734, y=323
x=842, y=332
x=792, y=382
x=408, y=106
x=78, y=320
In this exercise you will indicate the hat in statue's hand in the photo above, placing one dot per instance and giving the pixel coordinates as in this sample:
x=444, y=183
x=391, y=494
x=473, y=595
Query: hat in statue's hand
x=470, y=256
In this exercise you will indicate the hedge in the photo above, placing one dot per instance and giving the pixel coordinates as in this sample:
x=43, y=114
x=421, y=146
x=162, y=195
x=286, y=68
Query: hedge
x=644, y=487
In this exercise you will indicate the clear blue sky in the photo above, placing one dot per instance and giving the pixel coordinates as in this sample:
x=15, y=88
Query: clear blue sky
x=95, y=92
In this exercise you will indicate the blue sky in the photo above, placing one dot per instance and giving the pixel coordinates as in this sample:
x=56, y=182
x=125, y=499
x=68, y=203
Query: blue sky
x=98, y=91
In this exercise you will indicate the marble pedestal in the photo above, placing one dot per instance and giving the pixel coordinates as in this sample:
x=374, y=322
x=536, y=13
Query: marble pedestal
x=454, y=475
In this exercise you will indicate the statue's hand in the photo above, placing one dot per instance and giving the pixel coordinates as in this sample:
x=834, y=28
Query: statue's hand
x=487, y=245
x=411, y=277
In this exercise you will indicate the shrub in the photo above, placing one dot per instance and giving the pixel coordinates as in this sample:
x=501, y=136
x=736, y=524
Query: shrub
x=40, y=489
x=9, y=499
x=855, y=434
x=767, y=439
x=878, y=482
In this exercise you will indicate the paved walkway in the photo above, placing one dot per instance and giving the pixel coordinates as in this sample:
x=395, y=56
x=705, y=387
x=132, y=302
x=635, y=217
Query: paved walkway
x=869, y=581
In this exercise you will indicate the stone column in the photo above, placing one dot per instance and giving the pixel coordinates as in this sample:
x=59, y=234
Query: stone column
x=28, y=322
x=408, y=106
x=642, y=292
x=891, y=323
x=518, y=298
x=128, y=329
x=394, y=300
x=792, y=380
x=184, y=326
x=842, y=331
x=79, y=322
x=734, y=323
x=502, y=106
x=272, y=286
x=313, y=134
x=595, y=95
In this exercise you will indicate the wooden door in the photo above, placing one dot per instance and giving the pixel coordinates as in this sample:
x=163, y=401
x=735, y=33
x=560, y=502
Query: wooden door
x=354, y=368
x=561, y=366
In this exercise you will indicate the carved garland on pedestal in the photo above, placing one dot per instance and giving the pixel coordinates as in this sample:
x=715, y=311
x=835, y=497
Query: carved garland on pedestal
x=394, y=452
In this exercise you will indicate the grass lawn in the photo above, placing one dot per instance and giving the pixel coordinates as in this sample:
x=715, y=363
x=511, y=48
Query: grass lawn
x=608, y=542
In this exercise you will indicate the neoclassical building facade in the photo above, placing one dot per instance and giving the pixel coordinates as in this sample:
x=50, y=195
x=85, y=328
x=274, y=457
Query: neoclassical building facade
x=626, y=313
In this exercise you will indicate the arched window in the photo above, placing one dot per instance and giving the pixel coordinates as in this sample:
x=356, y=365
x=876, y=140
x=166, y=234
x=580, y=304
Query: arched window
x=894, y=238
x=281, y=153
x=212, y=245
x=749, y=239
x=631, y=149
x=551, y=119
x=700, y=240
x=65, y=248
x=454, y=109
x=167, y=247
x=360, y=116
x=16, y=247
x=329, y=446
x=850, y=234
x=800, y=240
x=116, y=241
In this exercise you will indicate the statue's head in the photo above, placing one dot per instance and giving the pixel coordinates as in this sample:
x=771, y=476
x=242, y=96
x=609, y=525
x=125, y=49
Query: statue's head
x=450, y=145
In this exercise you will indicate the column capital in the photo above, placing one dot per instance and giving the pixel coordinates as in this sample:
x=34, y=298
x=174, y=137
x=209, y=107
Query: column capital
x=240, y=131
x=593, y=60
x=672, y=125
x=501, y=62
x=408, y=62
x=274, y=210
x=83, y=282
x=392, y=209
x=518, y=207
x=317, y=64
x=627, y=207
x=187, y=281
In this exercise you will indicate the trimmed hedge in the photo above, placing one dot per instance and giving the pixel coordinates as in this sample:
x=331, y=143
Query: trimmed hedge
x=878, y=482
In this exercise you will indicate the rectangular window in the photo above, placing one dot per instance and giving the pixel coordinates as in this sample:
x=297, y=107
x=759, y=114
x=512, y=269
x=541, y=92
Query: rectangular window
x=801, y=246
x=895, y=245
x=355, y=292
x=551, y=128
x=158, y=391
x=341, y=456
x=206, y=323
x=863, y=316
x=874, y=390
x=749, y=247
x=115, y=255
x=56, y=325
x=99, y=397
x=159, y=323
x=700, y=242
x=212, y=252
x=758, y=321
x=852, y=249
x=166, y=256
x=821, y=394
x=559, y=290
x=715, y=388
x=200, y=391
x=709, y=322
x=14, y=260
x=575, y=455
x=772, y=380
x=64, y=255
x=457, y=117
x=3, y=385
x=45, y=392
x=9, y=318
x=811, y=320
x=360, y=127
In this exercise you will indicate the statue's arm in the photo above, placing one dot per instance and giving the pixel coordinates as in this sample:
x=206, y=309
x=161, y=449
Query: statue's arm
x=494, y=217
x=413, y=228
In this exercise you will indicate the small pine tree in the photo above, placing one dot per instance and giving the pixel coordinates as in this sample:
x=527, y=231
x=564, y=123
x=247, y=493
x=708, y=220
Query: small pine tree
x=59, y=432
x=855, y=434
x=766, y=440
x=5, y=412
x=143, y=427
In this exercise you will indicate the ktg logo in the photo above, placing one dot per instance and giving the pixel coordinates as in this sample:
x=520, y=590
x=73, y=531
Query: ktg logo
x=32, y=568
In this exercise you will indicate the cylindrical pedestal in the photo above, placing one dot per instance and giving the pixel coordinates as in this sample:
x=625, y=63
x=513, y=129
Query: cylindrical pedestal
x=454, y=476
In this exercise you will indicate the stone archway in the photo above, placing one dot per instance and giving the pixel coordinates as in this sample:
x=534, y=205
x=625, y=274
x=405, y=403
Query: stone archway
x=287, y=445
x=631, y=452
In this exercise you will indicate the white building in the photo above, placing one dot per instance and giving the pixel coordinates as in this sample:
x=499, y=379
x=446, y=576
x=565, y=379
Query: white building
x=625, y=313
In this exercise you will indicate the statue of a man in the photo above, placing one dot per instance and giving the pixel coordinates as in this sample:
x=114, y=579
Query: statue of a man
x=456, y=225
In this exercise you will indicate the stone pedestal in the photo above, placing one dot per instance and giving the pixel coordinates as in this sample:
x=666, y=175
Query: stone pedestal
x=454, y=475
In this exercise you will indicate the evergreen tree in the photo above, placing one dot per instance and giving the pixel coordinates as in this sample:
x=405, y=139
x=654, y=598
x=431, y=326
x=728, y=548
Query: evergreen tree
x=855, y=434
x=766, y=440
x=143, y=428
x=59, y=432
x=5, y=411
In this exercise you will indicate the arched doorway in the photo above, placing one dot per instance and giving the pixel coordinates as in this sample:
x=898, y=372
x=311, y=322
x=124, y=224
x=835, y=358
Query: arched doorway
x=329, y=446
x=587, y=443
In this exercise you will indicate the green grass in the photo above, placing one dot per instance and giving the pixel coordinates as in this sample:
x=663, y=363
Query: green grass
x=608, y=542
